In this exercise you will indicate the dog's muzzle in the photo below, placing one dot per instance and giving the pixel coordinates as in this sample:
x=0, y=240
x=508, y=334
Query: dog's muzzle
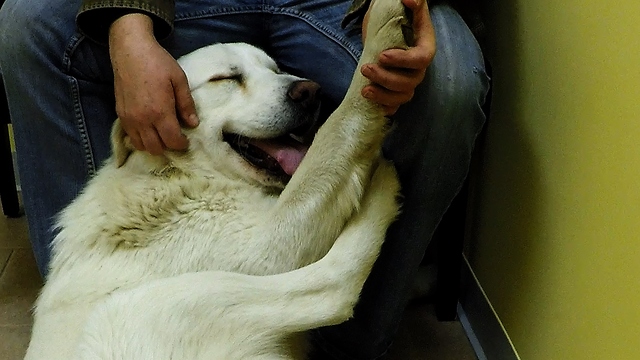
x=281, y=156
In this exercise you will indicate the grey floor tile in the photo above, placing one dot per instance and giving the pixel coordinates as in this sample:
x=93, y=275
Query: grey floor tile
x=20, y=276
x=20, y=283
x=4, y=258
x=15, y=310
x=422, y=337
x=14, y=342
x=13, y=233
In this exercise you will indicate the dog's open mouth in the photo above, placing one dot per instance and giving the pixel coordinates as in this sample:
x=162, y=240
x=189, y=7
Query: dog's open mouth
x=280, y=156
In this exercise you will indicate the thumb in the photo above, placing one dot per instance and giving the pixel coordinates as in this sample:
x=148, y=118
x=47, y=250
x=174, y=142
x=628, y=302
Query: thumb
x=185, y=106
x=424, y=34
x=414, y=5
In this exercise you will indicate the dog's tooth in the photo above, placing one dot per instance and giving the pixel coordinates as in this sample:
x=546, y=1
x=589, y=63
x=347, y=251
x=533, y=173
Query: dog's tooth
x=297, y=138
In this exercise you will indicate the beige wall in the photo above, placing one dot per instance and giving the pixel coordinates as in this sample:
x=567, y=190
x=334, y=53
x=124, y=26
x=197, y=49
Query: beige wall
x=556, y=240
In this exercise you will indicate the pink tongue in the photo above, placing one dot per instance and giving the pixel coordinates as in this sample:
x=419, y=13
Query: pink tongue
x=288, y=156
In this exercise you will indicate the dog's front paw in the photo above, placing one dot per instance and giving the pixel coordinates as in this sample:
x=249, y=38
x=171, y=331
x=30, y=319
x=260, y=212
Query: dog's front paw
x=389, y=26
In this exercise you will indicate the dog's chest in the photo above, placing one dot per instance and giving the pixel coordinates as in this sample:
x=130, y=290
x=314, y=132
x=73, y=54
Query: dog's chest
x=210, y=238
x=211, y=233
x=157, y=235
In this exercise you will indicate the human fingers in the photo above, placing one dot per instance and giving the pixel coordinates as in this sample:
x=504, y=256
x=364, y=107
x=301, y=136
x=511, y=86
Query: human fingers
x=185, y=106
x=140, y=116
x=415, y=58
x=151, y=123
x=394, y=79
x=422, y=51
x=389, y=88
x=170, y=134
x=421, y=21
x=134, y=137
x=151, y=141
x=390, y=100
x=180, y=109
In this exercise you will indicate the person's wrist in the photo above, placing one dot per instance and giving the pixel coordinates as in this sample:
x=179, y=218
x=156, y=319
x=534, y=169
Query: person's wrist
x=134, y=25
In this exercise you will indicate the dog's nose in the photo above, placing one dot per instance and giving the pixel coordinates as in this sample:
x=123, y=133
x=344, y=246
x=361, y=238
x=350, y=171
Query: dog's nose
x=304, y=92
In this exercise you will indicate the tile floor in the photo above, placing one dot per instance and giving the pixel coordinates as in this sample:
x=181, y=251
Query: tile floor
x=421, y=336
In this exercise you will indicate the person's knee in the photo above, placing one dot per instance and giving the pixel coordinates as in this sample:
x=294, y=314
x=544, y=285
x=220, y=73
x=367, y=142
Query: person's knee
x=27, y=27
x=464, y=97
x=457, y=74
x=17, y=25
x=461, y=81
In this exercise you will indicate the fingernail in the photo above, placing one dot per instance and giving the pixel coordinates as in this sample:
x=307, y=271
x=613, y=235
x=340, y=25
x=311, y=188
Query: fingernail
x=186, y=146
x=193, y=119
x=367, y=94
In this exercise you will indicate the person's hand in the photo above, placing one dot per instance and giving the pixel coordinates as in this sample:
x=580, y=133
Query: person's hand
x=398, y=72
x=151, y=90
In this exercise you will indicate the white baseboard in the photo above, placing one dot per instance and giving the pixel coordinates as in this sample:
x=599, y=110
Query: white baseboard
x=15, y=170
x=480, y=321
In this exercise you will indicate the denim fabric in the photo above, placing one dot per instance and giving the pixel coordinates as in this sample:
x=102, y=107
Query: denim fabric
x=60, y=90
x=95, y=16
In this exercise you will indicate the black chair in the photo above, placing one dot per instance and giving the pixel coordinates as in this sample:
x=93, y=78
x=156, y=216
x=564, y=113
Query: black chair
x=448, y=241
x=8, y=188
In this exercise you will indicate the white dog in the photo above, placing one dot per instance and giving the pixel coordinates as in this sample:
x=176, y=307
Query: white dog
x=235, y=248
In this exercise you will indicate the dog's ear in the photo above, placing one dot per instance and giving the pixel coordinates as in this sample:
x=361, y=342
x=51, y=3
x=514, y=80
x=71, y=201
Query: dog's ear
x=120, y=144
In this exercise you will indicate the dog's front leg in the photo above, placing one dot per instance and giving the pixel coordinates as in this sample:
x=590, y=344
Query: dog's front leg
x=327, y=188
x=222, y=315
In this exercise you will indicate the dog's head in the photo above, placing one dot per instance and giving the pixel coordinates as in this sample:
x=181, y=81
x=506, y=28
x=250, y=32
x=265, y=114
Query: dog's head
x=256, y=122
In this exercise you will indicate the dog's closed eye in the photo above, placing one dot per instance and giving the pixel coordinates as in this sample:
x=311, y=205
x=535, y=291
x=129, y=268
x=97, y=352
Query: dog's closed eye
x=233, y=77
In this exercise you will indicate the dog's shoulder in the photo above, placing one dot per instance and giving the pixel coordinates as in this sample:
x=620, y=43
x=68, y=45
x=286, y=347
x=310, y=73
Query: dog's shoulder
x=118, y=207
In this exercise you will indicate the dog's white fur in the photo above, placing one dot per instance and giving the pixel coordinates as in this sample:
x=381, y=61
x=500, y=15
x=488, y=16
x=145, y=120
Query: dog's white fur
x=198, y=255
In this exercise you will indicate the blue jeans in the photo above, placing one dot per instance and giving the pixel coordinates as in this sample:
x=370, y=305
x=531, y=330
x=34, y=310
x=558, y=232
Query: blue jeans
x=60, y=91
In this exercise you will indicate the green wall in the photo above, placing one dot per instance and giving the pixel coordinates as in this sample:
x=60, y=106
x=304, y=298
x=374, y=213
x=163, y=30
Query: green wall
x=556, y=236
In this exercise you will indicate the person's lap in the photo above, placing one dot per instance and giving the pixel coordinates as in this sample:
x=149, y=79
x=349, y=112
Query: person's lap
x=62, y=110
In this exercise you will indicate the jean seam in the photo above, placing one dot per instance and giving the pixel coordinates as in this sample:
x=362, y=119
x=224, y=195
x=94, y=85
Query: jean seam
x=80, y=120
x=326, y=31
